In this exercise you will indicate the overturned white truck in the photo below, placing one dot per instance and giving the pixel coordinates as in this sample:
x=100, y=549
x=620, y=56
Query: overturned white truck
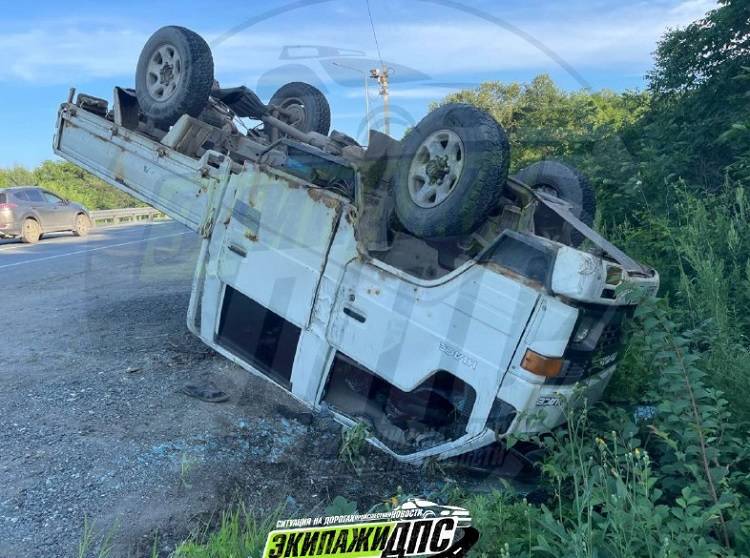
x=411, y=285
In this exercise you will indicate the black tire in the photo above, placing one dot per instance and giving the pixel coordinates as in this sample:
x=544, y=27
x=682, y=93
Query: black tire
x=473, y=194
x=31, y=231
x=82, y=225
x=566, y=183
x=308, y=103
x=186, y=85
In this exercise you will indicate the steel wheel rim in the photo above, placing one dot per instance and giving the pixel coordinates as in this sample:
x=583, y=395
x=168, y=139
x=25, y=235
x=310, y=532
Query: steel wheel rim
x=436, y=168
x=83, y=224
x=32, y=230
x=164, y=72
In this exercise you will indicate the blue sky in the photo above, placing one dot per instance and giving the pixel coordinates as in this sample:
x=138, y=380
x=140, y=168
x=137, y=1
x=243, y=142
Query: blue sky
x=433, y=47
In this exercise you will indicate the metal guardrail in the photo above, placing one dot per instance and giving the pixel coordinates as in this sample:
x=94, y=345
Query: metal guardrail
x=129, y=215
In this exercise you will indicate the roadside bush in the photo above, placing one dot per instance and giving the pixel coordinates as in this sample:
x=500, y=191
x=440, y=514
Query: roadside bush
x=702, y=251
x=672, y=486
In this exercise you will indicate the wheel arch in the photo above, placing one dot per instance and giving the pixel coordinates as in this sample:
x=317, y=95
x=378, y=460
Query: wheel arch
x=34, y=217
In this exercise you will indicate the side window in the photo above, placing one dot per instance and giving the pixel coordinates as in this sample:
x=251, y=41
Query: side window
x=20, y=195
x=35, y=196
x=51, y=198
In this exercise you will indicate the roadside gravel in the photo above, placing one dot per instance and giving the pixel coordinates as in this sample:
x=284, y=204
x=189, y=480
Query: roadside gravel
x=93, y=427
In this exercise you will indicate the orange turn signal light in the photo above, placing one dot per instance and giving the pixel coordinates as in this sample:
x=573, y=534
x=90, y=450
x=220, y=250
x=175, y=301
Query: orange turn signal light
x=549, y=367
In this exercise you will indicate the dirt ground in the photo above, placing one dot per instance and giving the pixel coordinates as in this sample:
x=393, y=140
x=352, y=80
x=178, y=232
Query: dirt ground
x=93, y=426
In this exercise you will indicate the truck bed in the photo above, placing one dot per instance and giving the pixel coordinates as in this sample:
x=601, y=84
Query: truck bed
x=180, y=186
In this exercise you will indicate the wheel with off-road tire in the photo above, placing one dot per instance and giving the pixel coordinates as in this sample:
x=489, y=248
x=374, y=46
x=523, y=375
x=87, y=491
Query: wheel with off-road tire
x=82, y=225
x=451, y=171
x=174, y=76
x=303, y=106
x=31, y=231
x=564, y=182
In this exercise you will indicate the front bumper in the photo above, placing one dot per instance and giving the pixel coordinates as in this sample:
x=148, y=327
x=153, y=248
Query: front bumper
x=541, y=407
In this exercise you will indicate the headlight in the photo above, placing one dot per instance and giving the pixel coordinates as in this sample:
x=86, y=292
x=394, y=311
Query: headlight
x=582, y=331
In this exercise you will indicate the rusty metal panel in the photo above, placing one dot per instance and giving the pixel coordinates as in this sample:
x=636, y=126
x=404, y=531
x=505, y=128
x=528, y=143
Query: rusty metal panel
x=171, y=182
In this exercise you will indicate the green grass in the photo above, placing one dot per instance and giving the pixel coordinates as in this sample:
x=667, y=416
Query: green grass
x=240, y=534
x=353, y=443
x=100, y=544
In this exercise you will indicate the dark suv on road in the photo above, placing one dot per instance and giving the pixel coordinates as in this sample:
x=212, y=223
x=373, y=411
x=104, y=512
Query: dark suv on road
x=29, y=212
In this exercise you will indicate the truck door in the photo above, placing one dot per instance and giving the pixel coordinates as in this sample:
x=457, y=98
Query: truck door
x=276, y=243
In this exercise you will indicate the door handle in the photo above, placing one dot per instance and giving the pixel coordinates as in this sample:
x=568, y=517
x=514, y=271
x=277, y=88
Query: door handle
x=238, y=250
x=354, y=314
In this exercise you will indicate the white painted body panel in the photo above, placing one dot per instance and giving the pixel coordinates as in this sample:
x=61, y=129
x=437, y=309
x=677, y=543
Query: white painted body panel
x=469, y=326
x=285, y=246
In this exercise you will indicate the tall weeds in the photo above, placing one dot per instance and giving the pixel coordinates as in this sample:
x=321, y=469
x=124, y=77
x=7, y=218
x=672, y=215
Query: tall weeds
x=702, y=250
x=674, y=486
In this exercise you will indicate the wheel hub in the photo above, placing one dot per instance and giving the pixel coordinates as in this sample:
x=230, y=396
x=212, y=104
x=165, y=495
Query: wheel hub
x=164, y=73
x=436, y=168
x=547, y=189
x=294, y=111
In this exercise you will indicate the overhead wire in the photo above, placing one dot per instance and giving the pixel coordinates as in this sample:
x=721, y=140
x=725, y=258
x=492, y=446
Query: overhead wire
x=374, y=33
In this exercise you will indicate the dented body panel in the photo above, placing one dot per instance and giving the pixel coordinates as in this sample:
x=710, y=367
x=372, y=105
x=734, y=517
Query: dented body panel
x=284, y=288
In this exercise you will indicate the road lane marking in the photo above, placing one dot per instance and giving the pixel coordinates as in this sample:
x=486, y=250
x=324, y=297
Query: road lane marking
x=95, y=249
x=51, y=241
x=18, y=245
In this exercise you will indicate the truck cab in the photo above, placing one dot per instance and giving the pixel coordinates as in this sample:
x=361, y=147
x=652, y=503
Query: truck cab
x=437, y=348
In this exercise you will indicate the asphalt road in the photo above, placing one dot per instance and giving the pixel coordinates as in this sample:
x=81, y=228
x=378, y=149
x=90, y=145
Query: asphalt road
x=94, y=427
x=62, y=252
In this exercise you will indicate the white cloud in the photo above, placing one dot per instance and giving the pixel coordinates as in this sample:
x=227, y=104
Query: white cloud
x=54, y=54
x=625, y=36
x=690, y=10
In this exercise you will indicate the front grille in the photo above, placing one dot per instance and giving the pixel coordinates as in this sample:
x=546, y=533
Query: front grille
x=611, y=336
x=598, y=350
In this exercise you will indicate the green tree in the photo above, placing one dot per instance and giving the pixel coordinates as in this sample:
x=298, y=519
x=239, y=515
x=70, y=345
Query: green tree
x=591, y=130
x=698, y=128
x=70, y=182
x=16, y=176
